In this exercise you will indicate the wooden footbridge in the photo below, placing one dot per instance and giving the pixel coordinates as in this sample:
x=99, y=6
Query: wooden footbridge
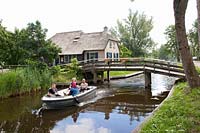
x=95, y=69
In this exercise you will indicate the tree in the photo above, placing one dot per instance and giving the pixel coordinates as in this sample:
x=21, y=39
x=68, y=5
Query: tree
x=154, y=53
x=164, y=53
x=124, y=51
x=192, y=76
x=193, y=38
x=171, y=44
x=34, y=41
x=27, y=44
x=6, y=45
x=133, y=32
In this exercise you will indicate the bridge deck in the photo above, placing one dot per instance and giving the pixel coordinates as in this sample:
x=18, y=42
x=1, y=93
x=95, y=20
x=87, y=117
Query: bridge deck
x=152, y=66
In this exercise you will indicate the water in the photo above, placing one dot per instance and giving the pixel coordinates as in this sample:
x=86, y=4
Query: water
x=119, y=107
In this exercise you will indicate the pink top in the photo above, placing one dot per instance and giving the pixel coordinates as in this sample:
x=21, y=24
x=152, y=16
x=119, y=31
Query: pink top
x=73, y=84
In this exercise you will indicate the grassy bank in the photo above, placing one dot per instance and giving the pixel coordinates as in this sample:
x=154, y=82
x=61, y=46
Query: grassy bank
x=179, y=113
x=118, y=73
x=19, y=81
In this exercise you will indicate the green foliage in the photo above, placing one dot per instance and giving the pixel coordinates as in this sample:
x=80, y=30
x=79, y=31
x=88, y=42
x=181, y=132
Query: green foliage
x=193, y=38
x=62, y=77
x=29, y=43
x=24, y=80
x=124, y=51
x=73, y=70
x=41, y=66
x=6, y=44
x=154, y=54
x=134, y=33
x=180, y=113
x=66, y=73
x=198, y=69
x=55, y=70
x=164, y=53
x=171, y=44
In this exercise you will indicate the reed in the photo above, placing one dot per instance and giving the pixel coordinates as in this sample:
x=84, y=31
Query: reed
x=19, y=81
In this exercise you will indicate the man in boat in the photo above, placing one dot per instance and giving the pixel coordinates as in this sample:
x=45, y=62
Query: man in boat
x=53, y=90
x=74, y=90
x=84, y=86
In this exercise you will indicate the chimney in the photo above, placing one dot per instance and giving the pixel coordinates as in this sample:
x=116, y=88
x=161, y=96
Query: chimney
x=105, y=29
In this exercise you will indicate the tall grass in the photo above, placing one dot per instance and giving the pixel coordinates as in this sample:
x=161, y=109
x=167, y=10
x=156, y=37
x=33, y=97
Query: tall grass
x=16, y=82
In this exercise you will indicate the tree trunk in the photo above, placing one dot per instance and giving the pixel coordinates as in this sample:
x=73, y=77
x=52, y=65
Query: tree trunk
x=177, y=54
x=178, y=57
x=192, y=77
x=198, y=21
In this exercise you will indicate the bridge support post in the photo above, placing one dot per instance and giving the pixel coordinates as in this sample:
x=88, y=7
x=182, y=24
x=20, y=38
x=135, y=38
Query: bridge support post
x=95, y=77
x=108, y=76
x=102, y=76
x=147, y=76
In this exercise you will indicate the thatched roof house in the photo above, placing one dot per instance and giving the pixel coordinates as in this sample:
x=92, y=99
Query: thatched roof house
x=86, y=46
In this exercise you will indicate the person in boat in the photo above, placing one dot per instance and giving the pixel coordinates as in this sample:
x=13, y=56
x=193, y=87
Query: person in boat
x=83, y=86
x=74, y=90
x=53, y=90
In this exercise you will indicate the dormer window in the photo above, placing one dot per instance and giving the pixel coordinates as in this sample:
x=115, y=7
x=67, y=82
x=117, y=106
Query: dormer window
x=76, y=39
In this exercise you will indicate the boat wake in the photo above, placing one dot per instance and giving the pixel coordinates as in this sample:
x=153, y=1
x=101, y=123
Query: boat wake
x=99, y=95
x=38, y=112
x=86, y=102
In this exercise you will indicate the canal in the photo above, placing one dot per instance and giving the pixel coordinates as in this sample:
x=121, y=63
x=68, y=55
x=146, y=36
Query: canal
x=118, y=107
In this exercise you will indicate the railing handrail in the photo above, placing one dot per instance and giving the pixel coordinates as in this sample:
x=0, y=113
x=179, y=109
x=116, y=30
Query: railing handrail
x=100, y=60
x=134, y=62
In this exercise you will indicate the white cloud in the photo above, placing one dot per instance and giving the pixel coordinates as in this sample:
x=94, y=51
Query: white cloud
x=85, y=125
x=103, y=130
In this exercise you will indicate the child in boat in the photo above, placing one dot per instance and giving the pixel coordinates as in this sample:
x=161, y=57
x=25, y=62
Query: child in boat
x=84, y=86
x=53, y=90
x=74, y=90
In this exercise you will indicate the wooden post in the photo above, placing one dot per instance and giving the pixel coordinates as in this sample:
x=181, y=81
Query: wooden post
x=147, y=76
x=95, y=77
x=102, y=76
x=108, y=72
x=108, y=76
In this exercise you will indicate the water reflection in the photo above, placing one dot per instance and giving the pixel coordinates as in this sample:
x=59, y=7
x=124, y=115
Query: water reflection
x=119, y=107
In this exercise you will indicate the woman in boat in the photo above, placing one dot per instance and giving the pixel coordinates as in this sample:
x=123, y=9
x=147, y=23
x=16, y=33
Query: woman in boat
x=74, y=90
x=84, y=86
x=53, y=90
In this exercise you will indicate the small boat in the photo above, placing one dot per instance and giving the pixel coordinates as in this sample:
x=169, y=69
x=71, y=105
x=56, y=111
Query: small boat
x=63, y=100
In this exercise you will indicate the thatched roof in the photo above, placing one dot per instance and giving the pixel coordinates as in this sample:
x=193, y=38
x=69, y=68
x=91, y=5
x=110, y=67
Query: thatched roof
x=75, y=42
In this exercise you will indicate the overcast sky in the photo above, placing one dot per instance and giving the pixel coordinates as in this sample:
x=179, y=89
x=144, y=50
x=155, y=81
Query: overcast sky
x=89, y=15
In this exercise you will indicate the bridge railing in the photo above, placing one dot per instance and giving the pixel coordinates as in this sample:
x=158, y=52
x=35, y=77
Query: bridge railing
x=133, y=62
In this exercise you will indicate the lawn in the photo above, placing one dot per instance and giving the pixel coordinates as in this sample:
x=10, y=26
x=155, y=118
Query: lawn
x=119, y=73
x=179, y=113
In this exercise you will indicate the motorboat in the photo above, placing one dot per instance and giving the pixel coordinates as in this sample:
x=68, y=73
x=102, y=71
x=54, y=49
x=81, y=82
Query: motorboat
x=62, y=99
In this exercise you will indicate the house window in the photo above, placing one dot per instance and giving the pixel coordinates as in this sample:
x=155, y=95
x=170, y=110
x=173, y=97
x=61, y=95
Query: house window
x=74, y=56
x=108, y=55
x=67, y=58
x=110, y=44
x=117, y=55
x=61, y=59
x=92, y=56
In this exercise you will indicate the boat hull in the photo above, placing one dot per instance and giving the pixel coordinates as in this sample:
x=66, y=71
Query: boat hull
x=67, y=101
